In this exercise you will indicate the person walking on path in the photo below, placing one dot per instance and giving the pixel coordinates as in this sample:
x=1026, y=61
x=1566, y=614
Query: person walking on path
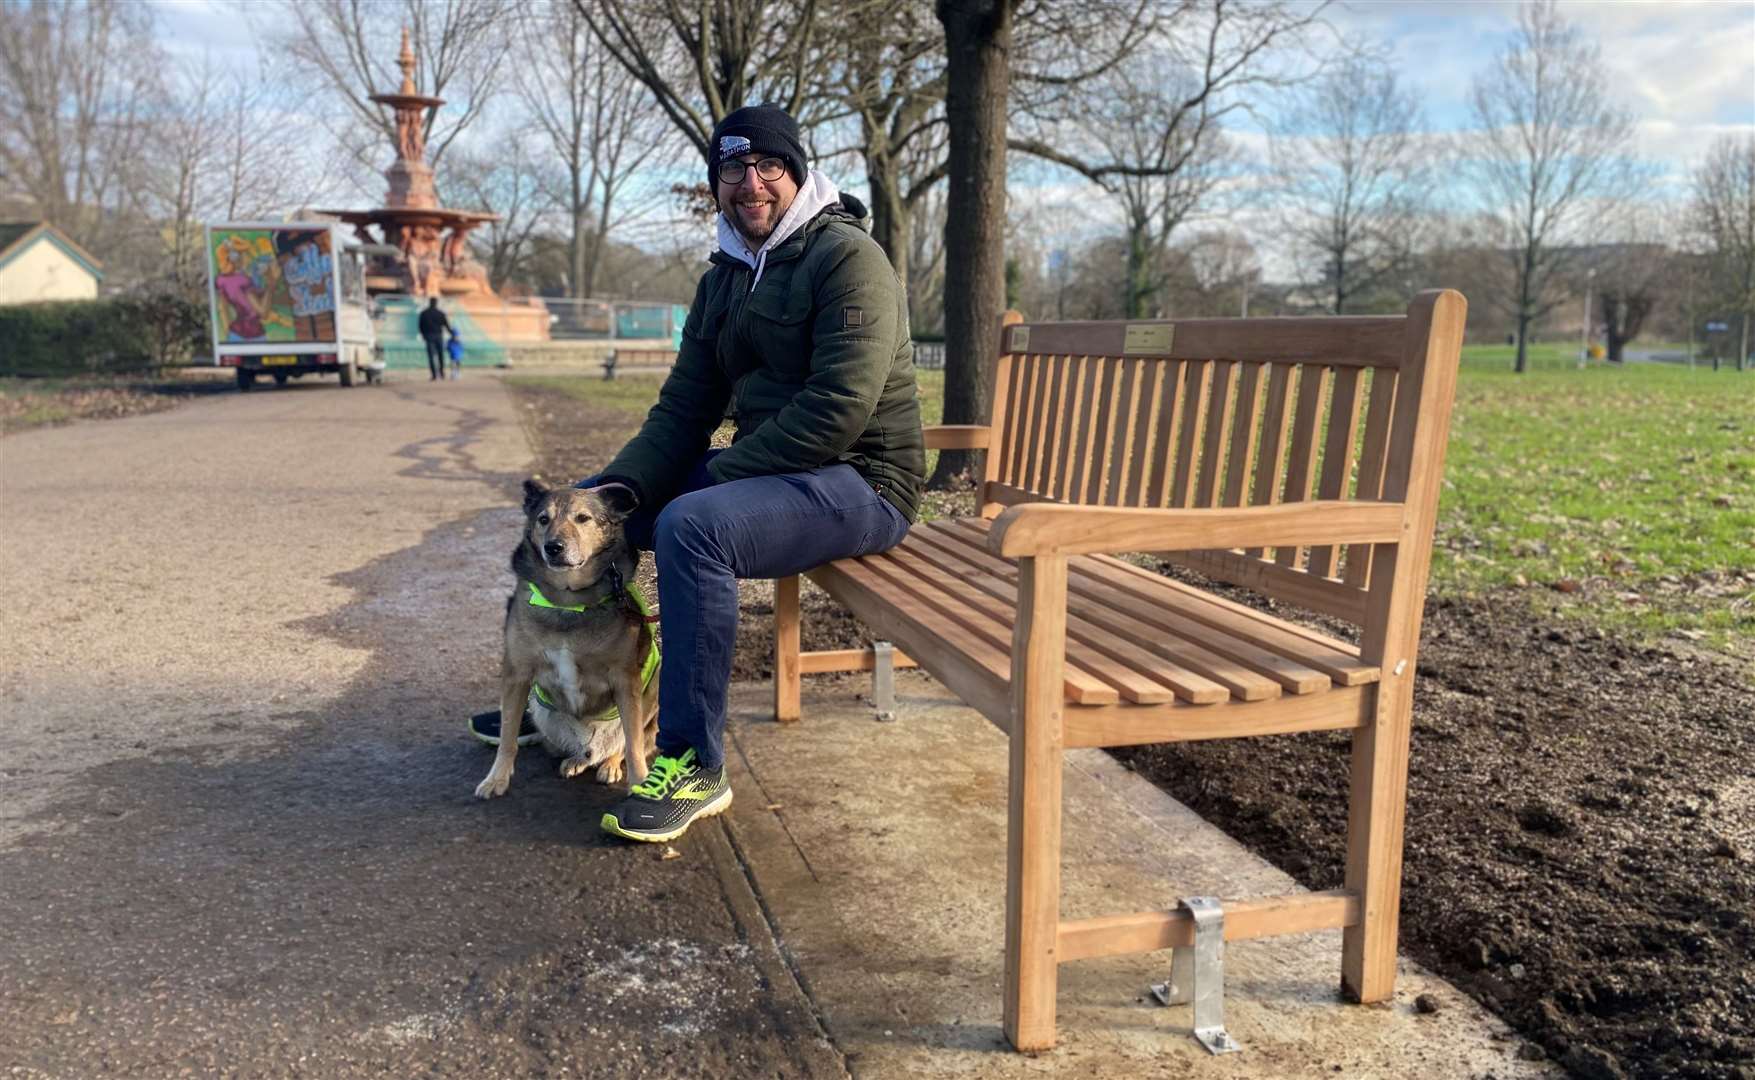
x=801, y=325
x=433, y=326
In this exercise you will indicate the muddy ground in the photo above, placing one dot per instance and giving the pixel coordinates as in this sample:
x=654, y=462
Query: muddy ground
x=1581, y=811
x=32, y=403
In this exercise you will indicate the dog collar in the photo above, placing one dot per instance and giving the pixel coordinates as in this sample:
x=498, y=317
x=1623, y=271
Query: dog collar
x=539, y=600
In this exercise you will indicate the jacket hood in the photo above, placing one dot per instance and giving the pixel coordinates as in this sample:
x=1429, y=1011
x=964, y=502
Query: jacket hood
x=819, y=195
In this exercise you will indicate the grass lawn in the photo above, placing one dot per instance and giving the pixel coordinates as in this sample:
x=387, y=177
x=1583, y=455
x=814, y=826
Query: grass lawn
x=1623, y=495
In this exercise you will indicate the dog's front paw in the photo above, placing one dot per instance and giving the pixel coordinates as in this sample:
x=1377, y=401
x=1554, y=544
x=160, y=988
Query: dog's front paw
x=575, y=765
x=610, y=772
x=493, y=784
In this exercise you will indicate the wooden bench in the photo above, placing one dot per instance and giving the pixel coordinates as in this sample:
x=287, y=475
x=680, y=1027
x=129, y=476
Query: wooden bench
x=623, y=359
x=1232, y=446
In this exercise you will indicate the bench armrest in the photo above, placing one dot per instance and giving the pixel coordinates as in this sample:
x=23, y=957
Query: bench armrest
x=957, y=436
x=1041, y=528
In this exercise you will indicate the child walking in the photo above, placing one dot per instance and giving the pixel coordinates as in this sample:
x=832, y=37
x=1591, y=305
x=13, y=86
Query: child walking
x=455, y=348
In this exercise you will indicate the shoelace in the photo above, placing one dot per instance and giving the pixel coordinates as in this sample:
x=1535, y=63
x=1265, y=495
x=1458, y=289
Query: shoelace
x=665, y=772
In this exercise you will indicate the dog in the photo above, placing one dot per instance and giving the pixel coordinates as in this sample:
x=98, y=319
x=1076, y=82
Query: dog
x=577, y=634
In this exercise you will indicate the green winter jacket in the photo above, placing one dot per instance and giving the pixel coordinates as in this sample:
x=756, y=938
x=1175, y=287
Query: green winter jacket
x=815, y=361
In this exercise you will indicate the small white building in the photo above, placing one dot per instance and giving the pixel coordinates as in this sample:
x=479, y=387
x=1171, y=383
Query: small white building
x=39, y=262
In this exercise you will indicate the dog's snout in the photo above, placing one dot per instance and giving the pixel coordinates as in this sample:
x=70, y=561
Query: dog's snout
x=554, y=549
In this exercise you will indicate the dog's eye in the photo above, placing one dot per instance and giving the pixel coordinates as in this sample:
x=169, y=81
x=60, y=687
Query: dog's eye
x=542, y=519
x=580, y=518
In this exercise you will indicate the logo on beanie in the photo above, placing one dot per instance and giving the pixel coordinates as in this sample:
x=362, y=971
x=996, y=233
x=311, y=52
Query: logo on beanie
x=731, y=146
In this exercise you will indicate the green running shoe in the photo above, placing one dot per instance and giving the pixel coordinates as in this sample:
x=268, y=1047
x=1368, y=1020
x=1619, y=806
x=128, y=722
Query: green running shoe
x=664, y=805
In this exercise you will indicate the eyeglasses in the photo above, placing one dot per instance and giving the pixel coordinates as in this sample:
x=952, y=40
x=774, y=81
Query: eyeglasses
x=769, y=169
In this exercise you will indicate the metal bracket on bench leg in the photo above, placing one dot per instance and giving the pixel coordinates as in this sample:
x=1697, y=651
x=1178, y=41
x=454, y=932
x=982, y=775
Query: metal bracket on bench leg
x=883, y=679
x=1197, y=974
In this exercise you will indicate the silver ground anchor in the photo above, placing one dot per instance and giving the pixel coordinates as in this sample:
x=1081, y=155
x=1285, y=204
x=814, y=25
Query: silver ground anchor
x=883, y=679
x=1197, y=974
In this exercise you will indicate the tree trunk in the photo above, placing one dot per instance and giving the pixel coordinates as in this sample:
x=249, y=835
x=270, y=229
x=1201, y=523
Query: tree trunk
x=1139, y=271
x=1523, y=318
x=576, y=251
x=977, y=45
x=1743, y=347
x=890, y=225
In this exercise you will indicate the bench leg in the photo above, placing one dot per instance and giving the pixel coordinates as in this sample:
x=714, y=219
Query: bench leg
x=786, y=646
x=1375, y=815
x=1032, y=898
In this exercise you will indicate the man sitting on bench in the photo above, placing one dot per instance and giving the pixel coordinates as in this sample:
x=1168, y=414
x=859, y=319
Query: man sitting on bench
x=801, y=325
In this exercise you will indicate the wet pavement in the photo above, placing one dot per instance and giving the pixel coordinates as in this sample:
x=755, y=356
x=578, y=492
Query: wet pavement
x=237, y=829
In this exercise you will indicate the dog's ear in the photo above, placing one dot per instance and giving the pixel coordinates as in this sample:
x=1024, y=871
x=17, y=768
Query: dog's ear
x=618, y=499
x=534, y=493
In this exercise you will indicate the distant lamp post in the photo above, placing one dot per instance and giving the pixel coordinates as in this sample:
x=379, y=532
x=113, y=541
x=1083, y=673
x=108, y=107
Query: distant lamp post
x=1584, y=334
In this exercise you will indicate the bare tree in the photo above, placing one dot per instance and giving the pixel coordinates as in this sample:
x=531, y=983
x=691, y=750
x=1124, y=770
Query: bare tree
x=705, y=62
x=593, y=114
x=886, y=65
x=1629, y=280
x=504, y=177
x=1724, y=212
x=1225, y=270
x=348, y=49
x=213, y=158
x=79, y=84
x=1352, y=171
x=1547, y=144
x=1151, y=133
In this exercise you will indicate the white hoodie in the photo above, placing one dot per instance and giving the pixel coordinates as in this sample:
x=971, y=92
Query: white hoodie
x=817, y=192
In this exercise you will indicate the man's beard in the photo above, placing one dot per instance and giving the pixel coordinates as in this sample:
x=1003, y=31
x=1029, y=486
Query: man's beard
x=756, y=235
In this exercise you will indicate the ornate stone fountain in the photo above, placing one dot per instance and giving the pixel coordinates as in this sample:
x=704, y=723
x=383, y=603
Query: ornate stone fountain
x=431, y=256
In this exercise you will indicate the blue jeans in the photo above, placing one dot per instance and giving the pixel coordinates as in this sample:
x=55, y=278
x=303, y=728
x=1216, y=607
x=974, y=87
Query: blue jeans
x=709, y=536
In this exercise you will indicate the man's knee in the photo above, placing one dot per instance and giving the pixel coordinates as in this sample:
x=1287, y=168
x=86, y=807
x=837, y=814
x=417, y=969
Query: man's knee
x=685, y=525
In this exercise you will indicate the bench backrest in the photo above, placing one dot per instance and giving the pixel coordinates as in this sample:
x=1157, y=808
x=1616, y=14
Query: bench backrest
x=1234, y=412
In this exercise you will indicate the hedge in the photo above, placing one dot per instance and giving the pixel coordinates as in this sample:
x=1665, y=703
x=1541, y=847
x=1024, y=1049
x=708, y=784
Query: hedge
x=129, y=333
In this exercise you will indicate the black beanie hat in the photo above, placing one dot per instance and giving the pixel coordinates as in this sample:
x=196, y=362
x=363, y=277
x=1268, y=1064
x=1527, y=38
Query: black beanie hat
x=756, y=129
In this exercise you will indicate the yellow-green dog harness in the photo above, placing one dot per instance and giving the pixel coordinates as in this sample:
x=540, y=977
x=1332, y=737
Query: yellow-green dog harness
x=648, y=669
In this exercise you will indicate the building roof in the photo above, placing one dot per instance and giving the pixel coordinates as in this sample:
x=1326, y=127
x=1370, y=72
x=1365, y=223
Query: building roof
x=18, y=236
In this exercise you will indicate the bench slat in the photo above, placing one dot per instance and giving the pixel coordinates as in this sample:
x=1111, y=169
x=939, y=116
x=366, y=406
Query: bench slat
x=988, y=622
x=1301, y=466
x=1140, y=470
x=998, y=578
x=1194, y=399
x=1249, y=670
x=973, y=669
x=1169, y=397
x=1337, y=457
x=1370, y=485
x=1218, y=433
x=1326, y=595
x=1272, y=460
x=1336, y=659
x=1241, y=460
x=1349, y=340
x=1099, y=658
x=1250, y=653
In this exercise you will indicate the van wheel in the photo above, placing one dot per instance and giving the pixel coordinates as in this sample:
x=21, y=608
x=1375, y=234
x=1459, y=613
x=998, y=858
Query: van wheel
x=347, y=374
x=246, y=379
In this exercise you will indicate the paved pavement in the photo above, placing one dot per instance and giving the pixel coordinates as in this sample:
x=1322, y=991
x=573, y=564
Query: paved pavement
x=237, y=834
x=237, y=824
